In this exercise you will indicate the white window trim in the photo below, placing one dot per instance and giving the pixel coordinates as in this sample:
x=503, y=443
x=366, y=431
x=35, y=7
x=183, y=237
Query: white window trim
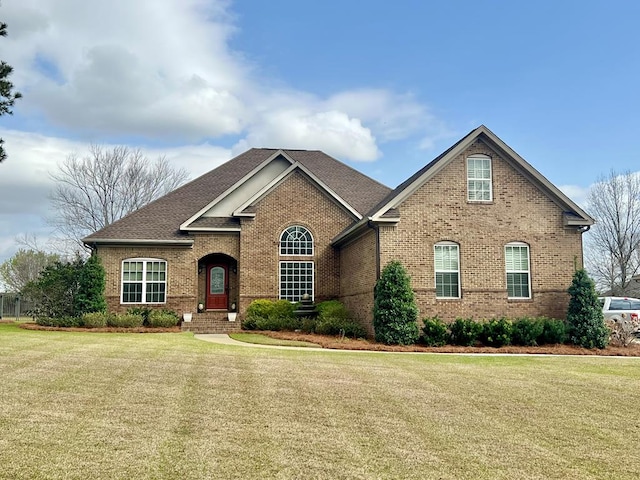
x=285, y=231
x=528, y=271
x=145, y=262
x=436, y=271
x=479, y=156
x=313, y=277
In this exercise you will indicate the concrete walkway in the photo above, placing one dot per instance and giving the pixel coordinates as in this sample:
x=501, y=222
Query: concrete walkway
x=224, y=339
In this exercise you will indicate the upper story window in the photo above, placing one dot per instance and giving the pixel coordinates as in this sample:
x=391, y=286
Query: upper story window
x=479, y=188
x=447, y=269
x=296, y=240
x=516, y=257
x=144, y=280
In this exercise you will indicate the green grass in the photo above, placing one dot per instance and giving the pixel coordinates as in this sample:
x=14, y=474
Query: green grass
x=167, y=406
x=259, y=339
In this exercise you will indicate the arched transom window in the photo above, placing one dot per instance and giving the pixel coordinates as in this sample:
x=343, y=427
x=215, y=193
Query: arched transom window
x=296, y=240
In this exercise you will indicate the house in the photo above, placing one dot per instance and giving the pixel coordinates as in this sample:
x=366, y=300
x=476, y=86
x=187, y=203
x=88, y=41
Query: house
x=480, y=231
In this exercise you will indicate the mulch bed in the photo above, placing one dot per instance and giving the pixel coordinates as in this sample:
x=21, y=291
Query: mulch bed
x=331, y=342
x=35, y=326
x=350, y=344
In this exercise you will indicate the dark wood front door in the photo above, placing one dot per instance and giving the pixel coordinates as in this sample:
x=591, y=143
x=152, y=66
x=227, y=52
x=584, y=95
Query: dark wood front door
x=217, y=287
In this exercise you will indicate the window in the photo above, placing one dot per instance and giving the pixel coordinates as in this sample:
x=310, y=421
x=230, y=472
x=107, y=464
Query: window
x=144, y=280
x=296, y=240
x=296, y=279
x=517, y=266
x=479, y=178
x=447, y=269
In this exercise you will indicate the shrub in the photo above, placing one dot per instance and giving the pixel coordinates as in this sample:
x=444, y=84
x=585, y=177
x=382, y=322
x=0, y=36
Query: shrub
x=332, y=309
x=125, y=320
x=282, y=309
x=434, y=332
x=144, y=312
x=91, y=281
x=163, y=319
x=308, y=324
x=268, y=315
x=95, y=319
x=553, y=331
x=527, y=331
x=465, y=331
x=584, y=316
x=394, y=310
x=65, y=321
x=340, y=326
x=276, y=323
x=496, y=332
x=258, y=309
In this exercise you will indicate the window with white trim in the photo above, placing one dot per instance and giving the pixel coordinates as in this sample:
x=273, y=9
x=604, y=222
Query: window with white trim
x=296, y=240
x=144, y=280
x=296, y=279
x=447, y=269
x=516, y=257
x=479, y=187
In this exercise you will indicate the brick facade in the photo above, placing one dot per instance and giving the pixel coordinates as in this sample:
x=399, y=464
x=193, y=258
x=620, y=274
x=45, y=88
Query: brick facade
x=520, y=212
x=436, y=211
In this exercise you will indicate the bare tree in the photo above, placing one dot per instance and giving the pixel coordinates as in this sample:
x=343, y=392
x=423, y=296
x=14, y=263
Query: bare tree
x=24, y=267
x=613, y=244
x=97, y=189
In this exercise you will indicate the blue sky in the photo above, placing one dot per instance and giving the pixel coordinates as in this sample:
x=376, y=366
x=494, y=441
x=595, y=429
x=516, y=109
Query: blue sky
x=384, y=86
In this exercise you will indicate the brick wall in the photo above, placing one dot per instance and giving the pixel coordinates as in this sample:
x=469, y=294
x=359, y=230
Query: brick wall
x=296, y=201
x=439, y=211
x=358, y=274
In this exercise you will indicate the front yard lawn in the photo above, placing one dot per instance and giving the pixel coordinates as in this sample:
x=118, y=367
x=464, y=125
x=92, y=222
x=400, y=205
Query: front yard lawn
x=168, y=406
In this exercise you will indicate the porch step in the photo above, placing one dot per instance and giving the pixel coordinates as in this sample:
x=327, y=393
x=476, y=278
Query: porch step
x=211, y=322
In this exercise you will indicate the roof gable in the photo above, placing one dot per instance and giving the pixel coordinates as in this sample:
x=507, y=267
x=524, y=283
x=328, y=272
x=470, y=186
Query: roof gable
x=386, y=209
x=191, y=205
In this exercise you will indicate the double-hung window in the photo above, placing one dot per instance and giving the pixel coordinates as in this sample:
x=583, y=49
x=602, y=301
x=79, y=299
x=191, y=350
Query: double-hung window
x=479, y=188
x=447, y=269
x=296, y=276
x=144, y=280
x=517, y=268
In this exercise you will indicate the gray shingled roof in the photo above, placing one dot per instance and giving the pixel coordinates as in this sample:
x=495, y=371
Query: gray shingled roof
x=161, y=219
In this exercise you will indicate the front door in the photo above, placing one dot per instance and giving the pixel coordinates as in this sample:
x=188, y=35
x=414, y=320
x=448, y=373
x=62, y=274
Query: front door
x=217, y=287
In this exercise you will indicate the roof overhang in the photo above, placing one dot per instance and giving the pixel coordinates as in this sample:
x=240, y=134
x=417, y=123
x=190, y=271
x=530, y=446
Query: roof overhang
x=142, y=242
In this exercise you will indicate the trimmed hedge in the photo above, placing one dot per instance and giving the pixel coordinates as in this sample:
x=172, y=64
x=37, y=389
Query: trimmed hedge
x=435, y=333
x=163, y=319
x=125, y=320
x=496, y=332
x=465, y=331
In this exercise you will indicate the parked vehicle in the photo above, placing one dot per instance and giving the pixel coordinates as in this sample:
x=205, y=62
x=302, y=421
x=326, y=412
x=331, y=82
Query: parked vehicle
x=620, y=308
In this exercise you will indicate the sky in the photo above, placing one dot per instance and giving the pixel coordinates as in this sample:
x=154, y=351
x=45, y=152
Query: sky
x=383, y=86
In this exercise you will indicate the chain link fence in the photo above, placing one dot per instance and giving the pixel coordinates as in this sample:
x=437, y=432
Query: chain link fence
x=12, y=305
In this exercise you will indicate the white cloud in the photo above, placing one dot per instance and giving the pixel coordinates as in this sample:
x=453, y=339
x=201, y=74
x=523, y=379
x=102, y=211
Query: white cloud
x=576, y=193
x=333, y=132
x=165, y=70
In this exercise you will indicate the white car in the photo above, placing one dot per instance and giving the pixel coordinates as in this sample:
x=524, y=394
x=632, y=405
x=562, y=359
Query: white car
x=620, y=308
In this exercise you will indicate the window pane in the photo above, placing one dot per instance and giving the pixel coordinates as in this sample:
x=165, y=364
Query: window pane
x=296, y=279
x=479, y=179
x=144, y=281
x=447, y=262
x=517, y=267
x=296, y=241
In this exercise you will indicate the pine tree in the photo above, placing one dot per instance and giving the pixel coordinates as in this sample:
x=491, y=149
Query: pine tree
x=584, y=316
x=394, y=311
x=8, y=96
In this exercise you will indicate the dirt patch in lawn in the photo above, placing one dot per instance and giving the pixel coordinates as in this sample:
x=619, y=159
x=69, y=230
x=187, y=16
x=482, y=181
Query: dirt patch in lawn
x=350, y=344
x=35, y=326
